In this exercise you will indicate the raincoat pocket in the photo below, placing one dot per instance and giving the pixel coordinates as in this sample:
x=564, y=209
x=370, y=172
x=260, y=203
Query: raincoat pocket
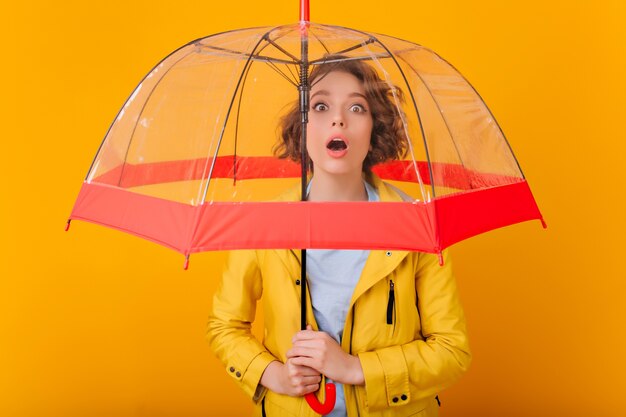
x=431, y=409
x=281, y=405
x=423, y=408
x=426, y=407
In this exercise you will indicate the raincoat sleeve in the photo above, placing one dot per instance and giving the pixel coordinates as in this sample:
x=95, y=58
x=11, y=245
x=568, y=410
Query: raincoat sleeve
x=230, y=321
x=397, y=375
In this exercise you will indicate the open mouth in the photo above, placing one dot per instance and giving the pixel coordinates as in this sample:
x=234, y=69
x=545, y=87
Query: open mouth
x=337, y=144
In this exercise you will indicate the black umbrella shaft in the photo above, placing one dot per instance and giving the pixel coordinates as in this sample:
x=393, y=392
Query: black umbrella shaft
x=304, y=112
x=303, y=298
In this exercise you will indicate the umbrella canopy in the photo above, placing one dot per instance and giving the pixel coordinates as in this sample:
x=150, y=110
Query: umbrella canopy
x=189, y=161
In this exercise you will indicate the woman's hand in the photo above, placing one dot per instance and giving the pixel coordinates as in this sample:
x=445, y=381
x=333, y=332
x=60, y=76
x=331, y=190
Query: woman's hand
x=319, y=351
x=290, y=379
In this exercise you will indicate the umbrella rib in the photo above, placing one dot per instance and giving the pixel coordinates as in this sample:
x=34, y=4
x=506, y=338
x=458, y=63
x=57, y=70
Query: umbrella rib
x=294, y=75
x=272, y=62
x=356, y=58
x=443, y=116
x=370, y=57
x=285, y=76
x=390, y=55
x=243, y=85
x=402, y=116
x=488, y=111
x=419, y=119
x=93, y=162
x=143, y=107
x=338, y=60
x=354, y=47
x=219, y=142
x=320, y=41
x=283, y=50
x=252, y=57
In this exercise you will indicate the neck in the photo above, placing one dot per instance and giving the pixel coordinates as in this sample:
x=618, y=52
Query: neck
x=348, y=187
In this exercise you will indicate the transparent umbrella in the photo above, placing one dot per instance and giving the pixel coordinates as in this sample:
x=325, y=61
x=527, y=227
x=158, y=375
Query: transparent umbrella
x=189, y=162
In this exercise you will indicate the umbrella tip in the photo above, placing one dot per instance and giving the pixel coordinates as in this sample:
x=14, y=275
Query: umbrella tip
x=543, y=223
x=67, y=226
x=186, y=263
x=440, y=256
x=304, y=11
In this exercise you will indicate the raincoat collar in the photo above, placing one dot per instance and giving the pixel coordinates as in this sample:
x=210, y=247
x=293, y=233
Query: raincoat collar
x=379, y=264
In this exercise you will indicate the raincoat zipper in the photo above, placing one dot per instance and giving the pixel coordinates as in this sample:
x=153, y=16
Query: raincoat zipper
x=391, y=303
x=356, y=397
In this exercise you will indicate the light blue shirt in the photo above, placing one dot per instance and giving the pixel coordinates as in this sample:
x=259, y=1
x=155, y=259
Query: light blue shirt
x=332, y=277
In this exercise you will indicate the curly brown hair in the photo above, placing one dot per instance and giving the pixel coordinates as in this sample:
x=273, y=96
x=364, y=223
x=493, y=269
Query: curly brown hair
x=388, y=140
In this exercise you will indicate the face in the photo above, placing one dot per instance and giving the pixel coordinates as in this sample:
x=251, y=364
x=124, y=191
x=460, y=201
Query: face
x=340, y=124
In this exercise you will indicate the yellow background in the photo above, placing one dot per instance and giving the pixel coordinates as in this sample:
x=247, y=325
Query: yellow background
x=98, y=323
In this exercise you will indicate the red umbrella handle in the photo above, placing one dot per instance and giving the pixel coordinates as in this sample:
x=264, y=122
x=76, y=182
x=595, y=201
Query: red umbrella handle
x=327, y=407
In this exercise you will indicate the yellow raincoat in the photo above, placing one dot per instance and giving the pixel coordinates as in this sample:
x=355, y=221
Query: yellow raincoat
x=406, y=358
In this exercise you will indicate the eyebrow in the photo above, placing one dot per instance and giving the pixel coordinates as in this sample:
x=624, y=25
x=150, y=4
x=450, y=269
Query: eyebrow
x=327, y=93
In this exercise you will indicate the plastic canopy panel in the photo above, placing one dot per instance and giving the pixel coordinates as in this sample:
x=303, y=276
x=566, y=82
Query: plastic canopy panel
x=190, y=160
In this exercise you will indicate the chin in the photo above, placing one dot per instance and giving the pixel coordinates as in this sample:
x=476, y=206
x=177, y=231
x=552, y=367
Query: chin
x=339, y=169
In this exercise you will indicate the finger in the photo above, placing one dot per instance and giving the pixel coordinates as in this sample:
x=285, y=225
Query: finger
x=309, y=389
x=297, y=369
x=304, y=350
x=308, y=351
x=309, y=327
x=315, y=344
x=309, y=380
x=304, y=371
x=304, y=361
x=313, y=379
x=306, y=335
x=294, y=351
x=312, y=339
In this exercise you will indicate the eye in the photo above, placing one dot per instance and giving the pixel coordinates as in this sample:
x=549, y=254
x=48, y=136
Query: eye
x=357, y=108
x=320, y=107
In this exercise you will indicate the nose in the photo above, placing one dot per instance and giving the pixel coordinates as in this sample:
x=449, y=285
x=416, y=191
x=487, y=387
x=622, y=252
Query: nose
x=338, y=119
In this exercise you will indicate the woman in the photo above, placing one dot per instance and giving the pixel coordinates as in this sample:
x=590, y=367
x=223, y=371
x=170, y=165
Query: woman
x=386, y=327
